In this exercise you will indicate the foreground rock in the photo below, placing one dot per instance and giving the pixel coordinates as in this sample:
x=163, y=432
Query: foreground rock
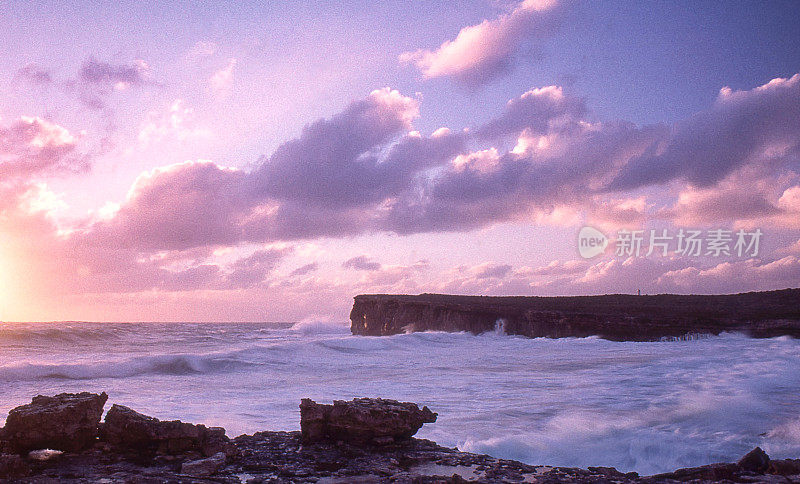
x=362, y=421
x=135, y=448
x=616, y=317
x=282, y=457
x=67, y=422
x=126, y=428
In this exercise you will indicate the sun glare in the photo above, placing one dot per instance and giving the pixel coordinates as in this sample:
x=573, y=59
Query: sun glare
x=5, y=286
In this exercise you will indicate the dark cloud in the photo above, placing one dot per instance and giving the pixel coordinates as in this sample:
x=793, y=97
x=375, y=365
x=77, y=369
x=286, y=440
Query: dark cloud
x=304, y=270
x=493, y=270
x=97, y=80
x=34, y=74
x=361, y=263
x=97, y=72
x=253, y=270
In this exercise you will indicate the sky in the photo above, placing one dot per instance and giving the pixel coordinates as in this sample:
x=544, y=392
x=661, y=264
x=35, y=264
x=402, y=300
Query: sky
x=210, y=161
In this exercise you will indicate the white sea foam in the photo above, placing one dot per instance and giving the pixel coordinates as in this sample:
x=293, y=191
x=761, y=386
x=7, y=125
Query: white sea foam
x=648, y=407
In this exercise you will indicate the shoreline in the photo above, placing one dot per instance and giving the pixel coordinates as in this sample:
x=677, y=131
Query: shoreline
x=616, y=317
x=364, y=440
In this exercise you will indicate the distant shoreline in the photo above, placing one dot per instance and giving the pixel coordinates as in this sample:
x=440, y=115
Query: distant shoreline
x=617, y=317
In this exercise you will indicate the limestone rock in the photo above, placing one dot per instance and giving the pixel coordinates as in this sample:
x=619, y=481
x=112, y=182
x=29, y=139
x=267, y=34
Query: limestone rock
x=362, y=421
x=127, y=428
x=784, y=467
x=755, y=461
x=204, y=467
x=12, y=466
x=617, y=317
x=68, y=422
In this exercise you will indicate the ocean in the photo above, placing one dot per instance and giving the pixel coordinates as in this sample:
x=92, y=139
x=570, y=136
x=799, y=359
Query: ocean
x=645, y=407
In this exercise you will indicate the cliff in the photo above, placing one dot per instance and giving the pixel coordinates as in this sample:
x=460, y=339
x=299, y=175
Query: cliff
x=616, y=317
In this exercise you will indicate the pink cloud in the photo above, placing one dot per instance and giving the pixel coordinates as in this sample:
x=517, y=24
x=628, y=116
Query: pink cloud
x=368, y=170
x=480, y=52
x=33, y=146
x=222, y=80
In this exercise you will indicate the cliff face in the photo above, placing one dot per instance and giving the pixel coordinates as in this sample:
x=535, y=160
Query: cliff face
x=616, y=317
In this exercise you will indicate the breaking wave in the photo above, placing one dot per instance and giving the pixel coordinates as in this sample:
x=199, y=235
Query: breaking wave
x=638, y=406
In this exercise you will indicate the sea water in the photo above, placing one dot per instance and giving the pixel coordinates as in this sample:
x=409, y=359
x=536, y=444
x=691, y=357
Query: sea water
x=646, y=407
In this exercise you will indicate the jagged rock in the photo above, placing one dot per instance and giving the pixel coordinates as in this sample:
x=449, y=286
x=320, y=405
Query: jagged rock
x=204, y=467
x=67, y=422
x=362, y=421
x=5, y=446
x=784, y=467
x=755, y=461
x=12, y=466
x=713, y=472
x=127, y=428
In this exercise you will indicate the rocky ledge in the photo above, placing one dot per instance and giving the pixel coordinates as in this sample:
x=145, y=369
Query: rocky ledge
x=616, y=317
x=361, y=441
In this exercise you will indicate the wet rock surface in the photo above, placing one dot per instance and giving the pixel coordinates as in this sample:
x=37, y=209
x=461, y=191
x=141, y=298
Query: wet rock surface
x=362, y=421
x=276, y=457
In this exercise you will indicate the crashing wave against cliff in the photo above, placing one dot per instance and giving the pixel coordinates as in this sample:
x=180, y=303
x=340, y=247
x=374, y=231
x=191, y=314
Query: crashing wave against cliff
x=616, y=317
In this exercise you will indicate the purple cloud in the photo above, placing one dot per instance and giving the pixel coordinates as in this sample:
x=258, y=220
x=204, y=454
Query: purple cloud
x=367, y=170
x=33, y=146
x=304, y=270
x=34, y=74
x=361, y=263
x=758, y=126
x=98, y=72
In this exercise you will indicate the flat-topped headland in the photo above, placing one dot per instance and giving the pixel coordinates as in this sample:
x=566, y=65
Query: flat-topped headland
x=618, y=317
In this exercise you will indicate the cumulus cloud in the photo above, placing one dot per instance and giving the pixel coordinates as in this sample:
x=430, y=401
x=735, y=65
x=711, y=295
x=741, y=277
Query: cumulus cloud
x=368, y=169
x=177, y=207
x=727, y=276
x=757, y=126
x=535, y=112
x=481, y=52
x=176, y=123
x=619, y=275
x=33, y=146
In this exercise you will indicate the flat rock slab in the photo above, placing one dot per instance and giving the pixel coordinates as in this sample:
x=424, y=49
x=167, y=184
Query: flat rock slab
x=68, y=422
x=374, y=421
x=127, y=428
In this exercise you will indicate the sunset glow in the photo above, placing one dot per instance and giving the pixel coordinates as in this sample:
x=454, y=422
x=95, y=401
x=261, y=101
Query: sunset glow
x=267, y=163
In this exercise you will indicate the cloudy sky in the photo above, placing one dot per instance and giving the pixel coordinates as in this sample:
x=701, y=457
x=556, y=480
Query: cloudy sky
x=266, y=161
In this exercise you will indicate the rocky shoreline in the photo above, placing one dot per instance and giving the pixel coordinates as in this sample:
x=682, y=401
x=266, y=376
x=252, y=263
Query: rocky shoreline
x=62, y=439
x=616, y=317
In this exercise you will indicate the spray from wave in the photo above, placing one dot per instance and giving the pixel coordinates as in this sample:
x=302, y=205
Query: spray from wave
x=646, y=407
